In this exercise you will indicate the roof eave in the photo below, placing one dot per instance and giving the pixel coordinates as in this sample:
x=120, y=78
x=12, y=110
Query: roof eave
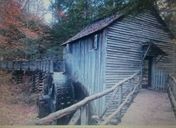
x=71, y=41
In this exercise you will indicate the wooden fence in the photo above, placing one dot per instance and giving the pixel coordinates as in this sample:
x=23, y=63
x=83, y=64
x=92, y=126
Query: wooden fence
x=134, y=81
x=33, y=65
x=172, y=91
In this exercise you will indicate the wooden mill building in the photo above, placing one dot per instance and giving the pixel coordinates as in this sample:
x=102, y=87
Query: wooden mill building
x=111, y=49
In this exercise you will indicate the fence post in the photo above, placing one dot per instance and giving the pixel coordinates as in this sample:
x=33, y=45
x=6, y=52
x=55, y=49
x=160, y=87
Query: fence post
x=121, y=91
x=84, y=116
x=120, y=97
x=140, y=82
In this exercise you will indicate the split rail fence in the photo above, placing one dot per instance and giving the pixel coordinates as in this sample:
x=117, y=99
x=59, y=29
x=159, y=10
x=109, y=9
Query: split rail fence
x=81, y=106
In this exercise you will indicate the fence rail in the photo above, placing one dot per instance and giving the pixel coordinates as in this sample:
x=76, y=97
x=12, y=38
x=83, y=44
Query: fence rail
x=81, y=105
x=172, y=91
x=42, y=65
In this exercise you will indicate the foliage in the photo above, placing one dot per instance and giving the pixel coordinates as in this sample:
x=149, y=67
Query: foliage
x=73, y=15
x=22, y=34
x=167, y=9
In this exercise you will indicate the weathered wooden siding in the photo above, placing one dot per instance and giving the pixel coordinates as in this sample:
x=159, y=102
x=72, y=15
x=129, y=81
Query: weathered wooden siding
x=124, y=49
x=87, y=65
x=123, y=58
x=159, y=77
x=119, y=55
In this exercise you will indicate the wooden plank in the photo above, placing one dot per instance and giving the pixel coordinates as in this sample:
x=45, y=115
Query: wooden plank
x=84, y=115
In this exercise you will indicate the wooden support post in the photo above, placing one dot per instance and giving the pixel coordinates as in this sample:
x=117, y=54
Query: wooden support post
x=121, y=94
x=173, y=100
x=130, y=83
x=75, y=118
x=140, y=80
x=40, y=81
x=110, y=102
x=120, y=97
x=172, y=92
x=108, y=119
x=84, y=115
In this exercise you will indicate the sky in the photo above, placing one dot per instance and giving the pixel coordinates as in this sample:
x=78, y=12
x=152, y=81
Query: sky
x=48, y=16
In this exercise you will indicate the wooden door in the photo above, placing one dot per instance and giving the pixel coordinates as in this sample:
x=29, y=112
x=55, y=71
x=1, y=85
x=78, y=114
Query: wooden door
x=159, y=78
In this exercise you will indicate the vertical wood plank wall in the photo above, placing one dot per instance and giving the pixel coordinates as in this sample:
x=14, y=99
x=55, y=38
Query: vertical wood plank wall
x=159, y=78
x=86, y=64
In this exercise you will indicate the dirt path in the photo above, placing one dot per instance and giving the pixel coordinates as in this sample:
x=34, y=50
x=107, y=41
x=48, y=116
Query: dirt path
x=150, y=108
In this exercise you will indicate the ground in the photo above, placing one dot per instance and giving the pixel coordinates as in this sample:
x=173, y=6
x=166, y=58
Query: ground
x=17, y=106
x=150, y=108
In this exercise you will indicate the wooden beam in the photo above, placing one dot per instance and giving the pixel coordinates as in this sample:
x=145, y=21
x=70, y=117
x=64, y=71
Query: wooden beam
x=58, y=114
x=84, y=115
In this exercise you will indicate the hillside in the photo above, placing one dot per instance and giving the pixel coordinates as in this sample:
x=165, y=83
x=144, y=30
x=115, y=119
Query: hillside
x=17, y=106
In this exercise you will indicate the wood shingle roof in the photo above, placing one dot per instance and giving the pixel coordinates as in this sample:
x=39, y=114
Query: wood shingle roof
x=94, y=27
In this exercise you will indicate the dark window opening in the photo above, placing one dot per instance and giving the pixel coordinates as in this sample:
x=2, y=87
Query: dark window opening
x=69, y=48
x=94, y=41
